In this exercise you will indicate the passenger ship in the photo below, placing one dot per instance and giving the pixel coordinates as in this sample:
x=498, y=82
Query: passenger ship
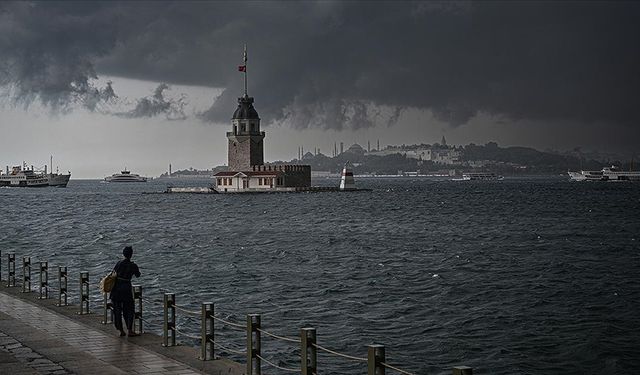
x=125, y=176
x=19, y=177
x=612, y=173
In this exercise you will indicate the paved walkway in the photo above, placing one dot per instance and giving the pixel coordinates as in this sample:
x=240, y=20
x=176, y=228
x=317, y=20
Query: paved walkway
x=36, y=341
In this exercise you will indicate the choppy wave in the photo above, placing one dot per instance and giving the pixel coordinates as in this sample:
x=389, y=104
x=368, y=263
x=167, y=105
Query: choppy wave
x=536, y=276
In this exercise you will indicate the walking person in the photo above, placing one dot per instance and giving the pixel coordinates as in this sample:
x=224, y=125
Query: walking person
x=122, y=294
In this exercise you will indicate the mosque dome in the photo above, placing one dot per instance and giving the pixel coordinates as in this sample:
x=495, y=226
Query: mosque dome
x=356, y=149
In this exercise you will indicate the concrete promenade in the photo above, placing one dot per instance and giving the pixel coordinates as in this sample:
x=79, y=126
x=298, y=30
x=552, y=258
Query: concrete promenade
x=37, y=337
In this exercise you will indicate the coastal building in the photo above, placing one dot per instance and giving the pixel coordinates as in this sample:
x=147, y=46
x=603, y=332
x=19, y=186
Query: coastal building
x=439, y=155
x=247, y=170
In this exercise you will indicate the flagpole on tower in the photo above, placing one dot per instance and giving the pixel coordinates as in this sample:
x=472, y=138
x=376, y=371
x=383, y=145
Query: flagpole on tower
x=245, y=70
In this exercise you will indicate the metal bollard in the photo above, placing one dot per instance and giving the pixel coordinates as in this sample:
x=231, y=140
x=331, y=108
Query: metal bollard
x=137, y=312
x=107, y=310
x=62, y=286
x=206, y=332
x=462, y=370
x=169, y=320
x=11, y=269
x=308, y=352
x=44, y=280
x=253, y=344
x=26, y=274
x=374, y=357
x=84, y=293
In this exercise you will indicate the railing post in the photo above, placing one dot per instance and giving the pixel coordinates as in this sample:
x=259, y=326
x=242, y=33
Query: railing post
x=84, y=292
x=0, y=265
x=44, y=280
x=137, y=312
x=308, y=352
x=253, y=344
x=62, y=285
x=107, y=310
x=11, y=269
x=26, y=274
x=374, y=358
x=206, y=331
x=169, y=320
x=462, y=370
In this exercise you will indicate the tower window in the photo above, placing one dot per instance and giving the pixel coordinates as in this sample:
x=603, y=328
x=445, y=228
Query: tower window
x=243, y=128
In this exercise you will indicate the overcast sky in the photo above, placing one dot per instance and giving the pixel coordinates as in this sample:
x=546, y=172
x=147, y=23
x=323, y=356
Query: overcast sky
x=104, y=85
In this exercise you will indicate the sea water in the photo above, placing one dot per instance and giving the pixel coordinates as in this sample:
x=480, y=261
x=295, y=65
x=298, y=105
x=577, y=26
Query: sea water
x=520, y=276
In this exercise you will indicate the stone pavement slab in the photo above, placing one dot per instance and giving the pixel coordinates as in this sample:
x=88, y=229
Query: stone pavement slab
x=34, y=340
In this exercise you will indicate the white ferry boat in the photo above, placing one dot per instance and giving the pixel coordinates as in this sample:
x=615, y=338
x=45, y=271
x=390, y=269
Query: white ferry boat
x=612, y=173
x=125, y=176
x=483, y=176
x=23, y=177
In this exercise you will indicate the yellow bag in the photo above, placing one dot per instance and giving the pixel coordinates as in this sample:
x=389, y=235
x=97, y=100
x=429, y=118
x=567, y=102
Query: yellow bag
x=107, y=282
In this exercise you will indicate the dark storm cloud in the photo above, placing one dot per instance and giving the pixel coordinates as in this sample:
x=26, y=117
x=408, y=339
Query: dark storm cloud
x=48, y=53
x=158, y=104
x=342, y=64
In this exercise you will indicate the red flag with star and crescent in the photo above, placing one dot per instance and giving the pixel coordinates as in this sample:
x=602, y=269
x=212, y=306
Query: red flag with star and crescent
x=243, y=68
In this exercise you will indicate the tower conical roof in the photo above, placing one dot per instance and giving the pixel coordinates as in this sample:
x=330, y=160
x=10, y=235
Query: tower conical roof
x=245, y=109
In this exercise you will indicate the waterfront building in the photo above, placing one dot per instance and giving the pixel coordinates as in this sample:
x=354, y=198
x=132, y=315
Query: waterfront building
x=438, y=155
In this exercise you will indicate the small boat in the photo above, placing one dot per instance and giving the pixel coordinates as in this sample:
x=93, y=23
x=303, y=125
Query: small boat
x=125, y=176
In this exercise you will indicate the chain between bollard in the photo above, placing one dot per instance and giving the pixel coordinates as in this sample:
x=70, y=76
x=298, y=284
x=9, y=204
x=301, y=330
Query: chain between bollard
x=396, y=369
x=276, y=366
x=231, y=324
x=234, y=351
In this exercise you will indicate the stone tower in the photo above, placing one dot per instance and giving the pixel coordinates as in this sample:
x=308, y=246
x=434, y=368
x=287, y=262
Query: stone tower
x=245, y=138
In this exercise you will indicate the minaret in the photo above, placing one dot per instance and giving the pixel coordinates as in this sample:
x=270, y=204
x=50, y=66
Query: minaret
x=245, y=138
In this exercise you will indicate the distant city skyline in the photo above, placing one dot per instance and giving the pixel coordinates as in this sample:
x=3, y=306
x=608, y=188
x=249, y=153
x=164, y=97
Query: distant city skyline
x=104, y=85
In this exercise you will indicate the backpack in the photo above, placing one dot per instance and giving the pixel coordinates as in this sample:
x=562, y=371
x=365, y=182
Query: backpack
x=107, y=282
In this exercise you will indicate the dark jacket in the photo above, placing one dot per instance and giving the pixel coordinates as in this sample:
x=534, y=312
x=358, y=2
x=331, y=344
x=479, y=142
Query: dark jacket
x=121, y=291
